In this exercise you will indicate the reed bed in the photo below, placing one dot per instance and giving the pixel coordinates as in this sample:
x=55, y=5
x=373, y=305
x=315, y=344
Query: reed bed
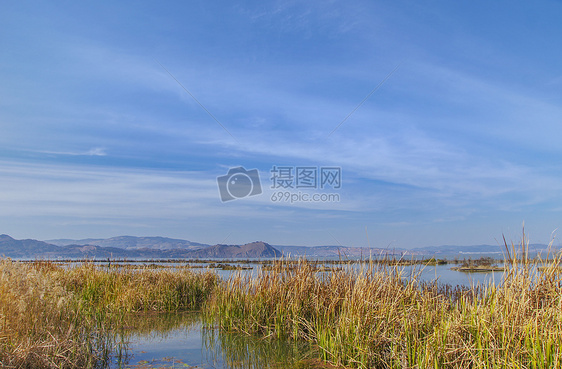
x=40, y=326
x=127, y=290
x=367, y=315
x=55, y=317
x=376, y=318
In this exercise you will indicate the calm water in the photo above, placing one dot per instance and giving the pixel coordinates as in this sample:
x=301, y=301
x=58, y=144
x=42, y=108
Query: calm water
x=181, y=341
x=441, y=273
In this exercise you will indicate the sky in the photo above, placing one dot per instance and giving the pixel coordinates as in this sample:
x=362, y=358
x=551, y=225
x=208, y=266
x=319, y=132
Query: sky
x=392, y=124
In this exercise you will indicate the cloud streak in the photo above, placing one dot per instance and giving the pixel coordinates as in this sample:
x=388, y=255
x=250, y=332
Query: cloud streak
x=95, y=151
x=92, y=128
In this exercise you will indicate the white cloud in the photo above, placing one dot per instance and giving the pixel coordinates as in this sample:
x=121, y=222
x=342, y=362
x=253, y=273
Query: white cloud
x=65, y=190
x=95, y=151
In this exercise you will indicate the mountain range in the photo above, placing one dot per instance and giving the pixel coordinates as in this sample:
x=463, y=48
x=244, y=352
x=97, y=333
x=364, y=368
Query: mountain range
x=480, y=249
x=133, y=243
x=130, y=247
x=171, y=248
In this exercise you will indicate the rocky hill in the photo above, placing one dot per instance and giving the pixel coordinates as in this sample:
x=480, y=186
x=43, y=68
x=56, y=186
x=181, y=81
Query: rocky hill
x=250, y=250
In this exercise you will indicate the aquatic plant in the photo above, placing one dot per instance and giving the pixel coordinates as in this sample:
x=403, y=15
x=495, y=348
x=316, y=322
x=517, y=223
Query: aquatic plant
x=57, y=317
x=40, y=326
x=368, y=315
x=140, y=289
x=375, y=318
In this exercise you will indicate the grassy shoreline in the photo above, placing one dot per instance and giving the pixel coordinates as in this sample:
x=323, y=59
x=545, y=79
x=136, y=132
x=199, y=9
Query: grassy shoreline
x=54, y=317
x=375, y=319
x=366, y=317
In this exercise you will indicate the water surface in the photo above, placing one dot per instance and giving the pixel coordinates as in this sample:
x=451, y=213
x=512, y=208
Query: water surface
x=182, y=341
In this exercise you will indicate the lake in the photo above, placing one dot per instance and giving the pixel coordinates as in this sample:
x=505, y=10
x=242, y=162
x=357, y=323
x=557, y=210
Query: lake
x=195, y=346
x=182, y=341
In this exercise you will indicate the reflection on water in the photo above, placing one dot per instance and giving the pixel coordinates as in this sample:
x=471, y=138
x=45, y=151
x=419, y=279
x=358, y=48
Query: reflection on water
x=144, y=338
x=241, y=351
x=181, y=341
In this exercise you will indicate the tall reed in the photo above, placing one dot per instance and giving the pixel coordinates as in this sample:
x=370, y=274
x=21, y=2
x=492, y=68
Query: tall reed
x=142, y=289
x=376, y=318
x=40, y=326
x=55, y=317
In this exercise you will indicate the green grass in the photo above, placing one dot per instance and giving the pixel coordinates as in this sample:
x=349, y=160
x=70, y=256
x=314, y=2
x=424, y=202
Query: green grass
x=375, y=319
x=140, y=289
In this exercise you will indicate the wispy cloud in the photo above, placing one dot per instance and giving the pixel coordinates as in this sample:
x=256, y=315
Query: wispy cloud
x=95, y=151
x=468, y=126
x=75, y=191
x=308, y=18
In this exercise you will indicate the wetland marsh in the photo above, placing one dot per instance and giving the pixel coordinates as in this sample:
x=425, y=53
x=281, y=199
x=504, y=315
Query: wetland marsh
x=290, y=314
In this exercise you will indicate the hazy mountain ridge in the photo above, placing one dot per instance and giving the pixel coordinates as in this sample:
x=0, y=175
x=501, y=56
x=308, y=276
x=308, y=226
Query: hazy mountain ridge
x=479, y=249
x=257, y=249
x=132, y=247
x=23, y=248
x=335, y=251
x=169, y=248
x=133, y=243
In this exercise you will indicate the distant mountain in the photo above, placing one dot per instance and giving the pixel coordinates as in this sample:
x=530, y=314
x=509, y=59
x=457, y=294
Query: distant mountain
x=477, y=249
x=86, y=251
x=68, y=241
x=170, y=248
x=131, y=247
x=250, y=250
x=450, y=249
x=31, y=249
x=335, y=251
x=134, y=243
x=23, y=248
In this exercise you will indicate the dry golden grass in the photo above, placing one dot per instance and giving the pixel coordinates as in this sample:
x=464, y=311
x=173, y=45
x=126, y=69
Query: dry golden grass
x=39, y=326
x=54, y=317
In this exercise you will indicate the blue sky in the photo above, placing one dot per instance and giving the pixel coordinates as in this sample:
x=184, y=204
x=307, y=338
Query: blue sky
x=461, y=143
